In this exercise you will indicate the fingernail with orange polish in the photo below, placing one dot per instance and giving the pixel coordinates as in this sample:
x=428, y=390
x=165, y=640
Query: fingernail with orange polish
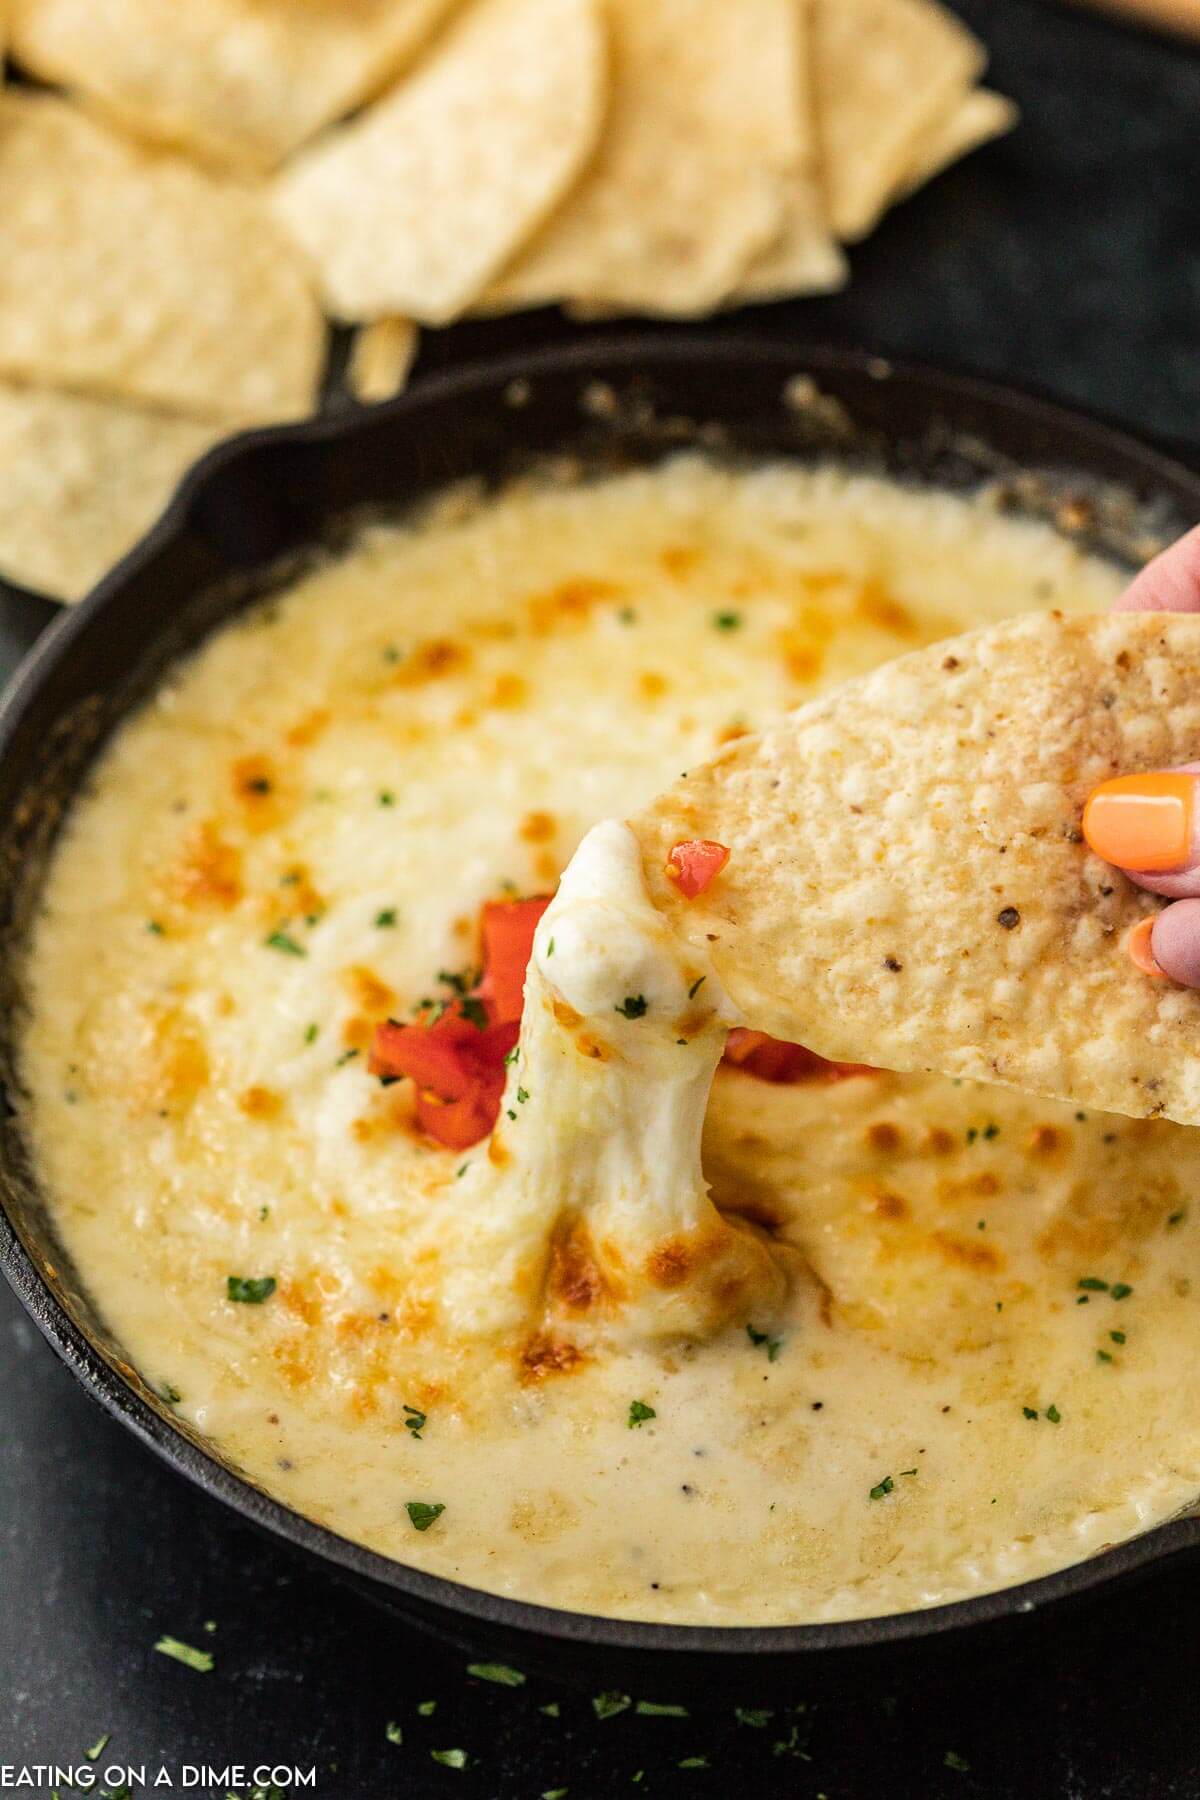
x=1138, y=946
x=1142, y=822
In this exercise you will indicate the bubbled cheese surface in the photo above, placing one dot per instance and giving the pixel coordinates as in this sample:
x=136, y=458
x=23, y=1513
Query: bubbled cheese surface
x=293, y=839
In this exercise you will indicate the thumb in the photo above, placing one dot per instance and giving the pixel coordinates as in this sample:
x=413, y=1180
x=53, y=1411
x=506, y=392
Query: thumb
x=1149, y=826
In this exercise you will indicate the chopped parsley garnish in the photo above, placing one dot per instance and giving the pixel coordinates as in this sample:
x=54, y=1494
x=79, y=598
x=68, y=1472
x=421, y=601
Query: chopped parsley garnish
x=346, y=1056
x=761, y=1338
x=249, y=1290
x=427, y=1708
x=991, y=1131
x=696, y=986
x=474, y=1012
x=279, y=940
x=450, y=1759
x=393, y=1733
x=550, y=948
x=607, y=1706
x=98, y=1746
x=386, y=918
x=1029, y=1412
x=759, y=1717
x=513, y=1056
x=633, y=1006
x=1177, y=1218
x=1103, y=1356
x=1118, y=1337
x=500, y=1673
x=422, y=1513
x=201, y=1660
x=156, y=930
x=1054, y=1416
x=414, y=1420
x=639, y=1412
x=881, y=1488
x=170, y=1394
x=627, y=615
x=1093, y=1284
x=511, y=1114
x=310, y=1035
x=652, y=1709
x=522, y=1096
x=392, y=653
x=461, y=1171
x=694, y=1762
x=556, y=1794
x=551, y=1710
x=953, y=1760
x=264, y=1212
x=727, y=621
x=461, y=980
x=1120, y=1290
x=386, y=797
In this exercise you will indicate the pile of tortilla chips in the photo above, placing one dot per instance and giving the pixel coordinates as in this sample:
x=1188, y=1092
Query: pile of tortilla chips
x=213, y=180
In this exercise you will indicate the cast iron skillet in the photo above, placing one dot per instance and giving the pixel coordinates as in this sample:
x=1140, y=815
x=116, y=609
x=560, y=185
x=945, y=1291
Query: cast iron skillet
x=245, y=520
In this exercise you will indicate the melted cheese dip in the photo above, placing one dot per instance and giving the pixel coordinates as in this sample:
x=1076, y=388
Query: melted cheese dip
x=293, y=839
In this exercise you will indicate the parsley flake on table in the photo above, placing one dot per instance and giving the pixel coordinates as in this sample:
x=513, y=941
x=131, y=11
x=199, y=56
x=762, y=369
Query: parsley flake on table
x=249, y=1290
x=607, y=1706
x=551, y=1710
x=639, y=1412
x=694, y=1762
x=98, y=1746
x=556, y=1794
x=953, y=1760
x=393, y=1733
x=756, y=1716
x=500, y=1673
x=201, y=1660
x=632, y=1007
x=427, y=1708
x=653, y=1709
x=424, y=1512
x=450, y=1759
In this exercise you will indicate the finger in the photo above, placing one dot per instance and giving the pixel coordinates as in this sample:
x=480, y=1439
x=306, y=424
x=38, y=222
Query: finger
x=1171, y=583
x=1149, y=826
x=1175, y=942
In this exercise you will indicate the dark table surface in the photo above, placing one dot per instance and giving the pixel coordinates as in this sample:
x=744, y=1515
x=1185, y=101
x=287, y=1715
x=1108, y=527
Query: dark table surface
x=1068, y=257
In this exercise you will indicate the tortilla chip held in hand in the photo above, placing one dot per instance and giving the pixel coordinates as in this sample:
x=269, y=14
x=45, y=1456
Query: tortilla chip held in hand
x=908, y=884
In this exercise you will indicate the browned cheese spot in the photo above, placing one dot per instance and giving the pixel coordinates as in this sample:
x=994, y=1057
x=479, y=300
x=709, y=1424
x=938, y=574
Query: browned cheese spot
x=260, y=1103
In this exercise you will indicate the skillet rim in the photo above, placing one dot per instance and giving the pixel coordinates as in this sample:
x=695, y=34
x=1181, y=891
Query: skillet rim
x=440, y=1595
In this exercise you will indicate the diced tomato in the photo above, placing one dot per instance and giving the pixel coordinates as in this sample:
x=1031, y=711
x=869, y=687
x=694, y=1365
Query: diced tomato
x=693, y=863
x=459, y=1123
x=508, y=927
x=770, y=1059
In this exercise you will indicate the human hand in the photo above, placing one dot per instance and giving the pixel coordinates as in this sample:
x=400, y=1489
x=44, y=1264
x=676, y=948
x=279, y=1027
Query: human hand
x=1149, y=825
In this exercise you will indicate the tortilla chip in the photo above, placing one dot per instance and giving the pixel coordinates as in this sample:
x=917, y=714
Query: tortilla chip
x=83, y=479
x=241, y=81
x=706, y=126
x=804, y=259
x=908, y=885
x=885, y=74
x=413, y=207
x=978, y=119
x=380, y=358
x=134, y=274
